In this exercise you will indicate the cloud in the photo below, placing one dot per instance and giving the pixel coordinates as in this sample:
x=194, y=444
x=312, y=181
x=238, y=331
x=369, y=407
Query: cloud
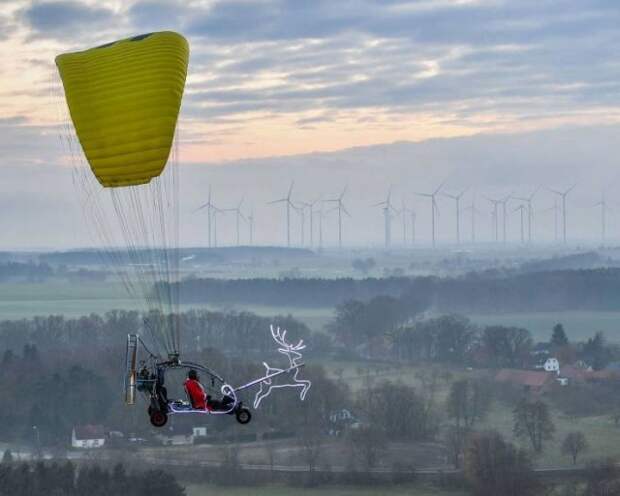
x=64, y=19
x=156, y=15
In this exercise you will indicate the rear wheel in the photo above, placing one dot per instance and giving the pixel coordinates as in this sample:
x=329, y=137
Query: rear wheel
x=243, y=415
x=158, y=418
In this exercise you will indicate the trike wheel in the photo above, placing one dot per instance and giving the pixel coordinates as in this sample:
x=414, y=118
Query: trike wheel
x=243, y=415
x=158, y=418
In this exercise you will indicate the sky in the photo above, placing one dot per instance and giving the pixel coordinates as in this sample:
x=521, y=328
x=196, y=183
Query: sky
x=290, y=86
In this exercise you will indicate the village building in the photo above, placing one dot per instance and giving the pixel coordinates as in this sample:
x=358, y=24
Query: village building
x=531, y=381
x=88, y=436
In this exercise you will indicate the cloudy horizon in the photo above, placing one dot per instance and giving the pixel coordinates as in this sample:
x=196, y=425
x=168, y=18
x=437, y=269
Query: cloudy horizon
x=295, y=88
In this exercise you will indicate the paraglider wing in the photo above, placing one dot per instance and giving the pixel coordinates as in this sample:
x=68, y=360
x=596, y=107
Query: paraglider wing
x=124, y=100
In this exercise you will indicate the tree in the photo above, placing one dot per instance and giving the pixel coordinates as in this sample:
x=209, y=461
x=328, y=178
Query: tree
x=7, y=457
x=596, y=352
x=364, y=265
x=495, y=467
x=602, y=479
x=532, y=422
x=574, y=443
x=468, y=402
x=310, y=441
x=506, y=346
x=455, y=443
x=368, y=444
x=558, y=336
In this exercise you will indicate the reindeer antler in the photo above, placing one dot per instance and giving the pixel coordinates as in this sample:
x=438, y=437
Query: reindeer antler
x=280, y=338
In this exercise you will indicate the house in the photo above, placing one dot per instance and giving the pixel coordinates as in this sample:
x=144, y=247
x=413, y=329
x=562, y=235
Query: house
x=552, y=365
x=199, y=431
x=88, y=436
x=531, y=381
x=177, y=434
x=342, y=420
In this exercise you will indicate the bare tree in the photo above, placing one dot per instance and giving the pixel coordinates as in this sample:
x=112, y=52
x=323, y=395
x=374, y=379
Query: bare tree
x=368, y=444
x=468, y=402
x=532, y=421
x=495, y=467
x=310, y=441
x=574, y=443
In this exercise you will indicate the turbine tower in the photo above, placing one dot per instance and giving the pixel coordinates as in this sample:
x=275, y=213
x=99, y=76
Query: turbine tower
x=494, y=217
x=434, y=208
x=287, y=201
x=301, y=211
x=387, y=208
x=521, y=208
x=530, y=212
x=563, y=195
x=310, y=206
x=341, y=208
x=404, y=211
x=251, y=226
x=457, y=200
x=503, y=202
x=604, y=208
x=472, y=208
x=238, y=216
x=212, y=210
x=321, y=215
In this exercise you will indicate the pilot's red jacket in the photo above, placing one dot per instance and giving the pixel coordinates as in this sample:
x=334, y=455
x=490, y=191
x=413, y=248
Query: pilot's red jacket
x=196, y=393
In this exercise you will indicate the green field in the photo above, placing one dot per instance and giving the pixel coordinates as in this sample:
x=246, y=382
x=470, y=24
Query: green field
x=25, y=300
x=603, y=438
x=273, y=490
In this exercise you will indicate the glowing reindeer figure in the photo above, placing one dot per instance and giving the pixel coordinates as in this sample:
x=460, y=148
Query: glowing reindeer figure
x=294, y=356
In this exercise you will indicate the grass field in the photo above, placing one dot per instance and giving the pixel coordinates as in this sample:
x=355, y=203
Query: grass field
x=273, y=490
x=25, y=300
x=603, y=438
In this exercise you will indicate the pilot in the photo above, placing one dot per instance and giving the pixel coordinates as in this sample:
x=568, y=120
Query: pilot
x=195, y=391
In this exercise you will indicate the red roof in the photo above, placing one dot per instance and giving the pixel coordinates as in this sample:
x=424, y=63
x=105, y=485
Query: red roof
x=84, y=432
x=528, y=378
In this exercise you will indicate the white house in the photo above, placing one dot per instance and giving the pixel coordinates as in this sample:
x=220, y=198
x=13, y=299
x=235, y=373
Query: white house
x=200, y=432
x=88, y=436
x=176, y=435
x=552, y=365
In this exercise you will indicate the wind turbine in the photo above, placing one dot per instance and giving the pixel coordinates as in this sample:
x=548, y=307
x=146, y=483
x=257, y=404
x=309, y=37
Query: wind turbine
x=494, y=217
x=563, y=194
x=503, y=202
x=530, y=212
x=341, y=208
x=433, y=207
x=404, y=211
x=387, y=208
x=251, y=226
x=321, y=215
x=212, y=210
x=521, y=208
x=457, y=200
x=310, y=206
x=472, y=208
x=301, y=210
x=604, y=208
x=289, y=204
x=555, y=209
x=238, y=216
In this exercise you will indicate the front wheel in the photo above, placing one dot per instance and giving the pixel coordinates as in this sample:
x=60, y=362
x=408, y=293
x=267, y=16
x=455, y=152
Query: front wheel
x=243, y=415
x=158, y=418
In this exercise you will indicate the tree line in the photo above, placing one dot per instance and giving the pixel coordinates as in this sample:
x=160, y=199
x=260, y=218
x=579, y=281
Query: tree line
x=67, y=479
x=385, y=326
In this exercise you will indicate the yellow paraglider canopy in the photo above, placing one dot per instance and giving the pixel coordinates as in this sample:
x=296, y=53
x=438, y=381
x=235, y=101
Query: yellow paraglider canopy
x=124, y=100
